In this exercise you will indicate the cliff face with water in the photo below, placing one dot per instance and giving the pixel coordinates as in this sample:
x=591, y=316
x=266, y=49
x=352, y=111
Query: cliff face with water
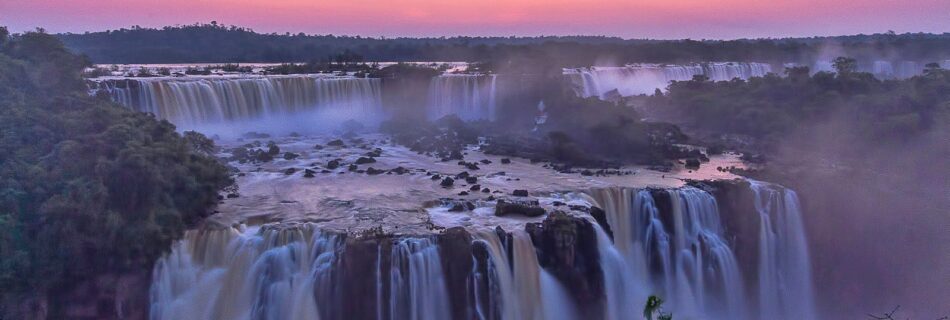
x=605, y=82
x=733, y=252
x=192, y=101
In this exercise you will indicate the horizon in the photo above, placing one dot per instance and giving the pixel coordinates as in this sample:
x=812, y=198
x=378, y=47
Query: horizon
x=641, y=19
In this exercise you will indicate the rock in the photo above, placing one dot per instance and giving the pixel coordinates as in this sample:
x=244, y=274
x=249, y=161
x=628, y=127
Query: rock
x=462, y=175
x=352, y=167
x=503, y=208
x=233, y=195
x=520, y=193
x=486, y=190
x=365, y=160
x=436, y=177
x=336, y=143
x=318, y=147
x=471, y=180
x=447, y=182
x=460, y=205
x=290, y=171
x=558, y=203
x=399, y=170
x=586, y=172
x=374, y=171
x=505, y=161
x=375, y=153
x=692, y=163
x=308, y=173
x=601, y=217
x=456, y=155
x=485, y=161
x=475, y=187
x=290, y=156
x=463, y=193
x=333, y=164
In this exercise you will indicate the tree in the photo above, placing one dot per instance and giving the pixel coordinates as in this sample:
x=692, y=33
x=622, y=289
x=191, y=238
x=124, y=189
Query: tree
x=845, y=65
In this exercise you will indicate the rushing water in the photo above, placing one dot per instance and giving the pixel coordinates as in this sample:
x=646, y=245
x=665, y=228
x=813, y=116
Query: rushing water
x=785, y=287
x=201, y=100
x=469, y=96
x=672, y=243
x=688, y=262
x=646, y=78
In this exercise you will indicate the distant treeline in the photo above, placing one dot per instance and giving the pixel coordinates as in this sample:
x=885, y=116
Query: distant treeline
x=215, y=42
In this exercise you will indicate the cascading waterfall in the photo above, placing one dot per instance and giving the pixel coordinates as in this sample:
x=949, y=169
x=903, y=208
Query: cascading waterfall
x=671, y=243
x=417, y=283
x=785, y=287
x=244, y=274
x=526, y=290
x=469, y=96
x=199, y=100
x=639, y=79
x=689, y=264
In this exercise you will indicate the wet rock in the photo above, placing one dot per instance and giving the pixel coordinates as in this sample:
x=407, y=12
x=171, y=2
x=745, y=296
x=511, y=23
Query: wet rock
x=255, y=135
x=463, y=193
x=529, y=209
x=436, y=177
x=520, y=193
x=336, y=143
x=692, y=163
x=352, y=167
x=308, y=173
x=290, y=155
x=317, y=147
x=505, y=161
x=475, y=187
x=233, y=195
x=365, y=160
x=471, y=180
x=447, y=182
x=333, y=164
x=399, y=170
x=462, y=175
x=375, y=153
x=485, y=161
x=373, y=171
x=290, y=171
x=486, y=190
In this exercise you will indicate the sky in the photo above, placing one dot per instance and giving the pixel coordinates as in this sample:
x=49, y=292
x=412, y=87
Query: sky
x=656, y=19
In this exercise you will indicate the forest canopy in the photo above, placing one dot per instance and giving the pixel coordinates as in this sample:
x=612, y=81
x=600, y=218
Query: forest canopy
x=219, y=43
x=86, y=186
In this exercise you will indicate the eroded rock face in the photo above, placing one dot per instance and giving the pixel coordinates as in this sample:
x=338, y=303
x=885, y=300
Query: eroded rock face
x=567, y=247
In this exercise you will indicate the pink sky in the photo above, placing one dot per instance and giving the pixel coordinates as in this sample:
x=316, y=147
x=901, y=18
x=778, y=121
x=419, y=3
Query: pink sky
x=626, y=18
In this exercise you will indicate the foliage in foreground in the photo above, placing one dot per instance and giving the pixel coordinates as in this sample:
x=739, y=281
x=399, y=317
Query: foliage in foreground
x=86, y=187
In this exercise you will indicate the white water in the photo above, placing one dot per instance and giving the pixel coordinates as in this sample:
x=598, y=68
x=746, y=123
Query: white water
x=646, y=78
x=418, y=289
x=470, y=96
x=526, y=290
x=785, y=282
x=243, y=274
x=191, y=101
x=688, y=264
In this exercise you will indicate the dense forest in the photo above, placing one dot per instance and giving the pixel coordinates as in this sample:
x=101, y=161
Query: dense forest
x=87, y=187
x=215, y=42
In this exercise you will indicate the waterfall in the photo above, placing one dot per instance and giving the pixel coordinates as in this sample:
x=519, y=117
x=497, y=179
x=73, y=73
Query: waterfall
x=785, y=287
x=526, y=290
x=244, y=274
x=639, y=79
x=469, y=96
x=200, y=100
x=418, y=289
x=688, y=263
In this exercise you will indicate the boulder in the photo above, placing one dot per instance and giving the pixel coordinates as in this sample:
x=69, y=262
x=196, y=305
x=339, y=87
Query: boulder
x=529, y=209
